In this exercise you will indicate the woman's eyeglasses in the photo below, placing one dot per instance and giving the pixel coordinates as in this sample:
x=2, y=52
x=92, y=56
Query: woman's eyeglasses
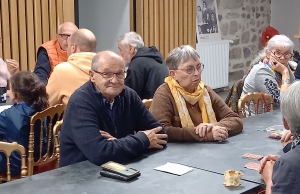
x=109, y=75
x=64, y=36
x=192, y=69
x=278, y=54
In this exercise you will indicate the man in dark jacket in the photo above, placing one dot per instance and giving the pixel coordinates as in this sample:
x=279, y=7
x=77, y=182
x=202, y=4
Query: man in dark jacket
x=146, y=67
x=105, y=121
x=296, y=58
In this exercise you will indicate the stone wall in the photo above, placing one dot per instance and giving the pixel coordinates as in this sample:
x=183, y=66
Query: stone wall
x=243, y=22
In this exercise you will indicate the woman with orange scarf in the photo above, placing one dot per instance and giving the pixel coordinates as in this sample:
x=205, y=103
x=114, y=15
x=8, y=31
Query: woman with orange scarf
x=189, y=110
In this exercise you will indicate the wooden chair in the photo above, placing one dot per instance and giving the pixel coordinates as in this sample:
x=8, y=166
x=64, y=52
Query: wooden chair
x=234, y=95
x=46, y=161
x=56, y=130
x=147, y=102
x=254, y=99
x=7, y=149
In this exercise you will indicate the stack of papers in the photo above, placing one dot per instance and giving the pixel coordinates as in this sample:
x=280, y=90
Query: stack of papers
x=174, y=168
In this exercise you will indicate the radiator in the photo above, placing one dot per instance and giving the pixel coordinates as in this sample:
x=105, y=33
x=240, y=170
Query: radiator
x=215, y=57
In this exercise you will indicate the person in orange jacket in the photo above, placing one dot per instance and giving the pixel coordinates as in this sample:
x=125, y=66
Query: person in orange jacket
x=54, y=51
x=70, y=75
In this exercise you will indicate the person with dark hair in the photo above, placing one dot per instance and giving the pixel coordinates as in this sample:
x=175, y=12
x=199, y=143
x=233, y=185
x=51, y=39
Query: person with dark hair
x=205, y=12
x=213, y=23
x=68, y=76
x=29, y=96
x=199, y=15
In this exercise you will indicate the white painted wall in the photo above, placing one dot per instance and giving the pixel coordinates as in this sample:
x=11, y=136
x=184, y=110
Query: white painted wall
x=107, y=19
x=285, y=17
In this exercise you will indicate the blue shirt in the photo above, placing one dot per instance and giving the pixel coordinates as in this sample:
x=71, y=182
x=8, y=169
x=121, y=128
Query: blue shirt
x=111, y=108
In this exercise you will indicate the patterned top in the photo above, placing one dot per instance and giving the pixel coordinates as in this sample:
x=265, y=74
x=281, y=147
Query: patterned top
x=262, y=79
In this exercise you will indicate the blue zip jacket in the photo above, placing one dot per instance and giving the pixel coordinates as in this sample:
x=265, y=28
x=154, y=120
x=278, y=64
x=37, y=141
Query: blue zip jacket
x=15, y=126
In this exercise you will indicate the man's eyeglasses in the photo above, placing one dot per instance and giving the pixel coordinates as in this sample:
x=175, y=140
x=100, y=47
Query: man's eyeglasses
x=278, y=54
x=109, y=75
x=64, y=36
x=191, y=69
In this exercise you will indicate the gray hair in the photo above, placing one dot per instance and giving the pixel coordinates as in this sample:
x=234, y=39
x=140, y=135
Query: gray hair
x=95, y=62
x=132, y=38
x=180, y=55
x=276, y=41
x=290, y=107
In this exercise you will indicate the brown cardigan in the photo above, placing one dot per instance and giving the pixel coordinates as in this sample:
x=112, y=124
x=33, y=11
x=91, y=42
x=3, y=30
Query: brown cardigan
x=164, y=109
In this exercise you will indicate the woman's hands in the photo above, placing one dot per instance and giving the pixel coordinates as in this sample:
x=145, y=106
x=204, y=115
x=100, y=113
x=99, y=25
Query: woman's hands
x=277, y=66
x=219, y=133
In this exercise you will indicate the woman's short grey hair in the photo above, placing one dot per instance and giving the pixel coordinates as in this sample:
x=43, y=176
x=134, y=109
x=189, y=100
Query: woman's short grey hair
x=132, y=38
x=290, y=107
x=180, y=55
x=274, y=42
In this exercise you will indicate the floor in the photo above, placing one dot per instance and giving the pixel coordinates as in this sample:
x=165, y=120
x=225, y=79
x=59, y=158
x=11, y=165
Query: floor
x=223, y=93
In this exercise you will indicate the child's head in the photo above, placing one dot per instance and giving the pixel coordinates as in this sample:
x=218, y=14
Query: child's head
x=26, y=87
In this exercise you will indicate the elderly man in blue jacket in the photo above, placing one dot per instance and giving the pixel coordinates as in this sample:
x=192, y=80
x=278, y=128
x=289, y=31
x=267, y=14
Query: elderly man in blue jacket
x=105, y=120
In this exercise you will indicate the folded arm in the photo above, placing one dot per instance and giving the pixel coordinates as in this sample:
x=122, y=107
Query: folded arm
x=163, y=110
x=93, y=145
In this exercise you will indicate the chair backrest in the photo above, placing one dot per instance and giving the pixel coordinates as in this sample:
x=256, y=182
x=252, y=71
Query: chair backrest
x=147, y=102
x=7, y=149
x=47, y=118
x=56, y=130
x=234, y=95
x=254, y=99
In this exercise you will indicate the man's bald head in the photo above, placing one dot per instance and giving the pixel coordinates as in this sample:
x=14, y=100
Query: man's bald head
x=105, y=57
x=64, y=31
x=67, y=26
x=85, y=40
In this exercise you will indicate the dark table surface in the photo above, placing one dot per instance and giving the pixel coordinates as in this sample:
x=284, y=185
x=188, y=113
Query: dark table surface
x=219, y=157
x=84, y=178
x=210, y=161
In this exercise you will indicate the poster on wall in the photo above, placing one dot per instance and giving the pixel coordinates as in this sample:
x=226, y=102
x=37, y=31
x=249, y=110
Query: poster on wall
x=207, y=24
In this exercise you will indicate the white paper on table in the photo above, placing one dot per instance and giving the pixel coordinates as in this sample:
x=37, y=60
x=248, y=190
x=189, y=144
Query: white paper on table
x=174, y=168
x=4, y=107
